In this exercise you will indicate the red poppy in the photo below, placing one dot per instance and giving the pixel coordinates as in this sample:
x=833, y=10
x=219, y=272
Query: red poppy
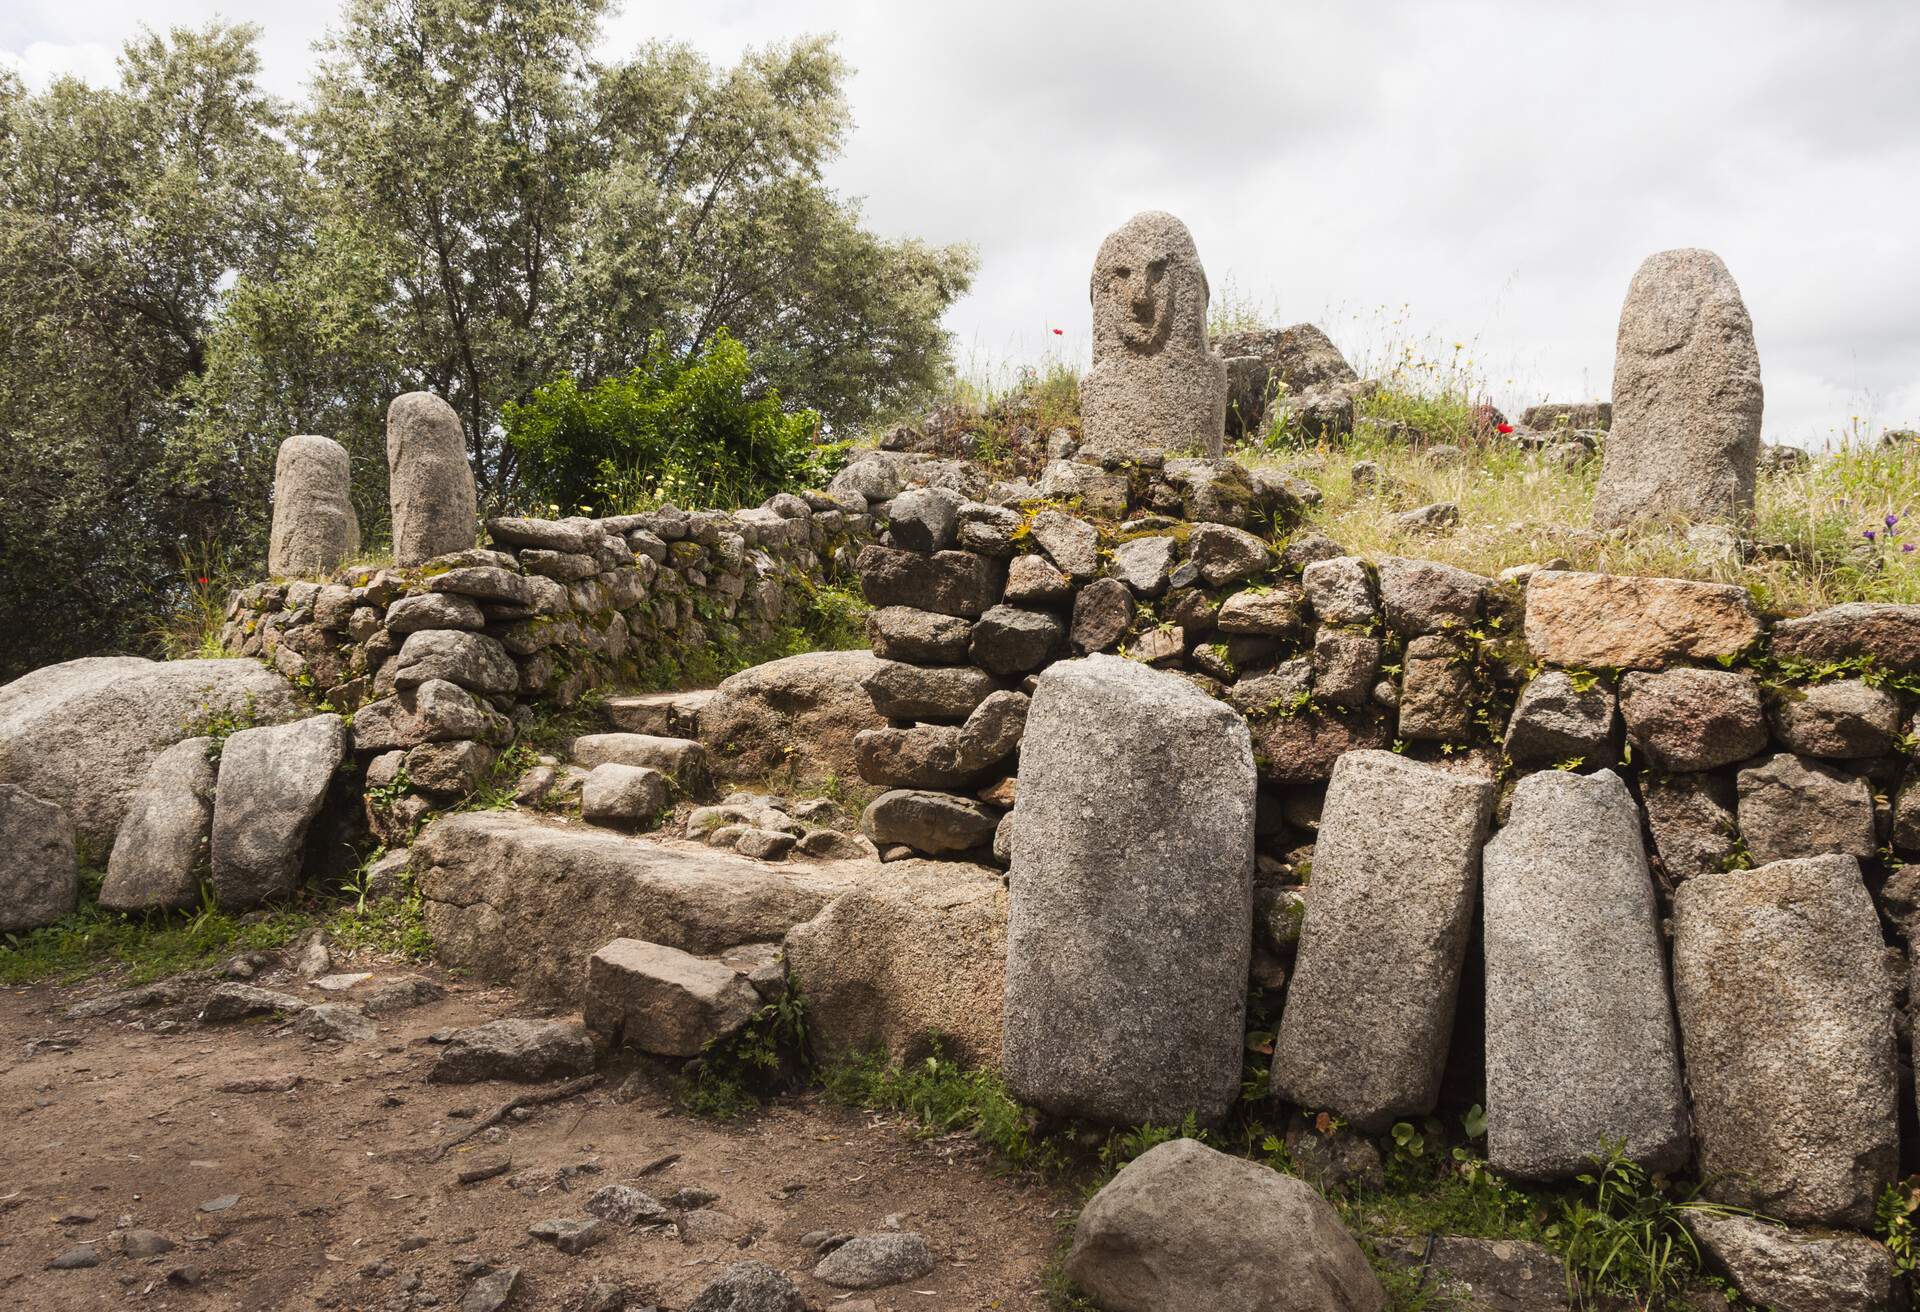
x=203, y=580
x=1059, y=332
x=1506, y=428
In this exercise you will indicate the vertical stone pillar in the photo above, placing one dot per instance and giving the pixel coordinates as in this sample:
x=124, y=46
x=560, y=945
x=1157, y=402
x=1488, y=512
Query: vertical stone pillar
x=1131, y=901
x=430, y=482
x=314, y=528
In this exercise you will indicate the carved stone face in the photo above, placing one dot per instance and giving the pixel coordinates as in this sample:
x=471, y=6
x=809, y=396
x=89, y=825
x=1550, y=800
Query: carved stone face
x=1148, y=289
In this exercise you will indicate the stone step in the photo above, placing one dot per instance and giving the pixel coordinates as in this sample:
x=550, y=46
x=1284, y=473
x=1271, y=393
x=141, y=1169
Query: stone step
x=661, y=714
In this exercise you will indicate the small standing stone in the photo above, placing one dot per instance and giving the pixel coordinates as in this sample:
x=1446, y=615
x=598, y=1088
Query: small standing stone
x=40, y=876
x=272, y=782
x=1686, y=397
x=435, y=507
x=1370, y=1009
x=1581, y=1047
x=1787, y=1023
x=314, y=528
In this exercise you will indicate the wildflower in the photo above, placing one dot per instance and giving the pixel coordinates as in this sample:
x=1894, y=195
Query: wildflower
x=1871, y=536
x=1505, y=429
x=204, y=580
x=1059, y=332
x=1906, y=546
x=1892, y=519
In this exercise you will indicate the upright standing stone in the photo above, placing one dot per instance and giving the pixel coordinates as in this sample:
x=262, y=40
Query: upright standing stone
x=1686, y=397
x=1787, y=1018
x=40, y=872
x=157, y=853
x=271, y=784
x=1370, y=1009
x=1131, y=911
x=314, y=527
x=435, y=508
x=1581, y=1048
x=1154, y=386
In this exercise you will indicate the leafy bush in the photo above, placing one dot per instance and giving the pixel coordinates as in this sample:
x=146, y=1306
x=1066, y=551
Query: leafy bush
x=687, y=431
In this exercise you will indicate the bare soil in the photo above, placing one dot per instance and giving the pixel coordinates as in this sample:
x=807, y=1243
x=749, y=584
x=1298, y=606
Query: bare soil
x=120, y=1123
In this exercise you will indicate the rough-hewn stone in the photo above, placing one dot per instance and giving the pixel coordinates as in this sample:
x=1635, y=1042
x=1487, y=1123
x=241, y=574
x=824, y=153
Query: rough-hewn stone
x=913, y=692
x=514, y=1049
x=314, y=528
x=1154, y=386
x=1581, y=1048
x=920, y=958
x=1009, y=641
x=799, y=713
x=1102, y=613
x=662, y=1000
x=1370, y=1008
x=82, y=734
x=430, y=483
x=1340, y=590
x=947, y=582
x=157, y=853
x=1301, y=748
x=1131, y=912
x=1436, y=691
x=935, y=823
x=1693, y=719
x=1692, y=820
x=1555, y=719
x=625, y=795
x=1787, y=1022
x=1621, y=621
x=1889, y=634
x=1686, y=397
x=1793, y=1271
x=1841, y=721
x=903, y=633
x=1184, y=1226
x=472, y=660
x=1793, y=806
x=1422, y=596
x=271, y=783
x=40, y=875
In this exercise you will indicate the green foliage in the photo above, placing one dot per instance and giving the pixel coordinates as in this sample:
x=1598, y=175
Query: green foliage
x=220, y=724
x=1893, y=1222
x=1628, y=1236
x=946, y=1097
x=468, y=202
x=767, y=1054
x=147, y=946
x=690, y=432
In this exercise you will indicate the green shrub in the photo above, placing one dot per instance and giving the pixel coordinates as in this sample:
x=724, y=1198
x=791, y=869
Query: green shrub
x=1627, y=1237
x=691, y=431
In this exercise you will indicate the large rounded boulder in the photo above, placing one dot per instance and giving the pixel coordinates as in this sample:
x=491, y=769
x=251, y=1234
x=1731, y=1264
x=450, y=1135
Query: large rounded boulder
x=83, y=734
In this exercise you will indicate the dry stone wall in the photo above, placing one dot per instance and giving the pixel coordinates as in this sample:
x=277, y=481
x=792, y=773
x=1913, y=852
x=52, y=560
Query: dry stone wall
x=1635, y=746
x=436, y=664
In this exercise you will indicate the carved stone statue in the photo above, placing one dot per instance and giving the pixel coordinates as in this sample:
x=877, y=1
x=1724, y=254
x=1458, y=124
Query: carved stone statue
x=1154, y=388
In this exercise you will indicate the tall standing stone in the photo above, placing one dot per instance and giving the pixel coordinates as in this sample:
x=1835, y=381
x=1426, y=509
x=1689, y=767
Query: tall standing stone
x=1686, y=397
x=1154, y=386
x=435, y=508
x=1131, y=901
x=1581, y=1048
x=1787, y=1017
x=1370, y=1009
x=314, y=528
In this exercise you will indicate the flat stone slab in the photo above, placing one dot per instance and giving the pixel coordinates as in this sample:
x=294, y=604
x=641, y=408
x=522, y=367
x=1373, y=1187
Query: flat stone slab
x=1581, y=1047
x=525, y=901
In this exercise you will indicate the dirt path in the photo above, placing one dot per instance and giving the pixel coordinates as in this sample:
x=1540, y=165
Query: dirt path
x=119, y=1124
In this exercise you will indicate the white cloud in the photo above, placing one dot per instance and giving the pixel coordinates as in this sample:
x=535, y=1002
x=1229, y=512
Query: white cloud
x=1497, y=168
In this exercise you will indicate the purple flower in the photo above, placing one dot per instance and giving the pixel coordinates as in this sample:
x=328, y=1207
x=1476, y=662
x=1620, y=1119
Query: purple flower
x=1870, y=536
x=1907, y=546
x=1892, y=519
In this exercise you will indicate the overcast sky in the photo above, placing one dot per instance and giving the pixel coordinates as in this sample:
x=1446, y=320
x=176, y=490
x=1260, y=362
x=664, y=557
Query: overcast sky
x=1487, y=173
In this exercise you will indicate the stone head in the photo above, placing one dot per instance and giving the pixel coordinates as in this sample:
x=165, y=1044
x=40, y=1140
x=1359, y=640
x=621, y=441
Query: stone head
x=1148, y=289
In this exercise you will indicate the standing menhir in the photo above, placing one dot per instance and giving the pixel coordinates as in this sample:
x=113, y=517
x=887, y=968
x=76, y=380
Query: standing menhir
x=435, y=509
x=1686, y=397
x=1154, y=387
x=314, y=527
